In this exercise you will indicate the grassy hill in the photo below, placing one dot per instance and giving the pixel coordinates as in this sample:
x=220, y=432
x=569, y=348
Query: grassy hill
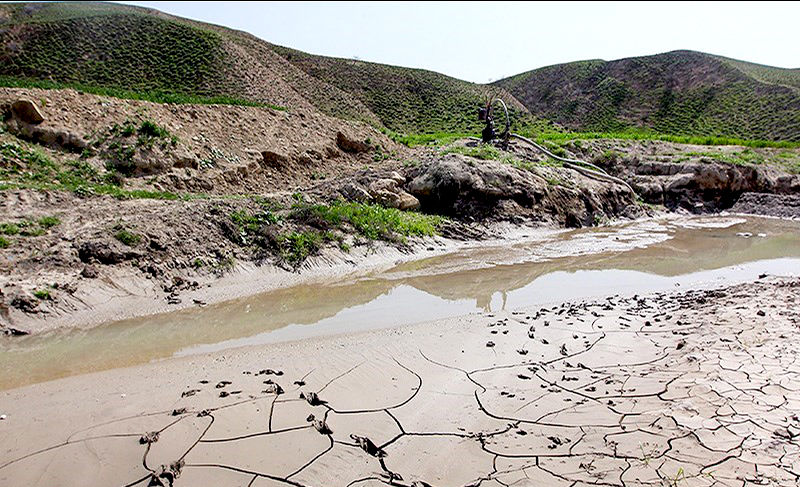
x=680, y=92
x=142, y=53
x=131, y=51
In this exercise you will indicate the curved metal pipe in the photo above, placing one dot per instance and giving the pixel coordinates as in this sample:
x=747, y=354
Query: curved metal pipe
x=505, y=110
x=562, y=159
x=574, y=164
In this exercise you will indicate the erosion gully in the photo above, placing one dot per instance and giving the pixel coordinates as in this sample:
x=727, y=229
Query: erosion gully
x=628, y=258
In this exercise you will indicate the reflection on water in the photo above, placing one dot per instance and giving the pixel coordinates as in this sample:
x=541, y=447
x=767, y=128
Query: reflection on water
x=637, y=257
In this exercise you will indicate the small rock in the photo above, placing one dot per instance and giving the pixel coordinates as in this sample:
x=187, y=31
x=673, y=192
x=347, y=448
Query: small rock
x=89, y=272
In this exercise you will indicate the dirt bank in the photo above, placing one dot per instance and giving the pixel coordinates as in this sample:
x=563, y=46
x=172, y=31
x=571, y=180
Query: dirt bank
x=113, y=204
x=692, y=387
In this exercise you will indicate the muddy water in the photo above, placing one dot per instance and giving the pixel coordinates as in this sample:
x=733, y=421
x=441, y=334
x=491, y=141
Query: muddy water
x=632, y=258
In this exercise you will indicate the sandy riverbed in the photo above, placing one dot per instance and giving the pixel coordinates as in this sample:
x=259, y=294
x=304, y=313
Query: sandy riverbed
x=692, y=388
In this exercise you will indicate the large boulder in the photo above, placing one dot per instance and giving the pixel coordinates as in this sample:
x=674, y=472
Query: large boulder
x=350, y=144
x=387, y=192
x=27, y=112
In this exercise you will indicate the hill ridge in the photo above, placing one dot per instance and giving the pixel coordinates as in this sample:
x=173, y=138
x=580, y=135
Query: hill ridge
x=143, y=50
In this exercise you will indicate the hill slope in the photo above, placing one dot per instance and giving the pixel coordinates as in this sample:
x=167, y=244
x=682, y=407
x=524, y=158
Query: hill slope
x=138, y=52
x=146, y=51
x=680, y=92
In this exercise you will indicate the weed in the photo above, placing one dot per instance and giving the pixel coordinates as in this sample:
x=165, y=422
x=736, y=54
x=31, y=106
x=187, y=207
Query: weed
x=42, y=294
x=48, y=222
x=126, y=237
x=372, y=221
x=296, y=247
x=4, y=243
x=9, y=228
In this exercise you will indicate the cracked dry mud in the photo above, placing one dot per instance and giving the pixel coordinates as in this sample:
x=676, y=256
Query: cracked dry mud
x=698, y=388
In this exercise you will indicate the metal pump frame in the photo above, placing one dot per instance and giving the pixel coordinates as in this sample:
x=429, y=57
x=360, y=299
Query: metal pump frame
x=489, y=135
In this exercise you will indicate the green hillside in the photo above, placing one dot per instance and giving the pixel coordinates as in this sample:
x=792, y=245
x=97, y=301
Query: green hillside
x=122, y=48
x=142, y=53
x=680, y=92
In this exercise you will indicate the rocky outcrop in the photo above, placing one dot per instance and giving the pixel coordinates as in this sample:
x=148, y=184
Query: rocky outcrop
x=700, y=186
x=52, y=136
x=388, y=192
x=779, y=205
x=382, y=187
x=471, y=190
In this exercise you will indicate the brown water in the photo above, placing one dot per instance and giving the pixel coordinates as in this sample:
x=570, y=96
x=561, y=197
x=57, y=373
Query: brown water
x=625, y=259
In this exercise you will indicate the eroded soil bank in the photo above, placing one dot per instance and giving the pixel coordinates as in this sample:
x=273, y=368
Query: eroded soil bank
x=695, y=387
x=658, y=254
x=113, y=204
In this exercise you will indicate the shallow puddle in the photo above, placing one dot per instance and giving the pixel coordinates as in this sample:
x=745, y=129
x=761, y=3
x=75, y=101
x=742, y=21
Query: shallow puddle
x=630, y=258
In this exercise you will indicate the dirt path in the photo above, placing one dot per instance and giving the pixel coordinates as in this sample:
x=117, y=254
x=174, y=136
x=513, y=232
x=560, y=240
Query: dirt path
x=690, y=388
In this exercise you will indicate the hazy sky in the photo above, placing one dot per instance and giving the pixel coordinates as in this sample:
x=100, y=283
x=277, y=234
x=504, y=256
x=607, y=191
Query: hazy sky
x=482, y=41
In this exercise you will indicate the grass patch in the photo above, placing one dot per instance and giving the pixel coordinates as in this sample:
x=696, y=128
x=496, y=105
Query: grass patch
x=155, y=96
x=746, y=157
x=4, y=243
x=24, y=167
x=651, y=135
x=250, y=223
x=48, y=222
x=433, y=139
x=42, y=294
x=29, y=228
x=371, y=221
x=126, y=237
x=9, y=229
x=296, y=247
x=487, y=152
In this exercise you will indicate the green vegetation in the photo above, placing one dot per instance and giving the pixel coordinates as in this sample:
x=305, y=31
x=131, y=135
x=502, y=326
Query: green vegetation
x=29, y=228
x=639, y=134
x=251, y=223
x=4, y=243
x=135, y=55
x=434, y=139
x=9, y=229
x=371, y=221
x=42, y=294
x=300, y=232
x=665, y=93
x=746, y=157
x=296, y=247
x=125, y=236
x=128, y=52
x=484, y=152
x=152, y=96
x=29, y=167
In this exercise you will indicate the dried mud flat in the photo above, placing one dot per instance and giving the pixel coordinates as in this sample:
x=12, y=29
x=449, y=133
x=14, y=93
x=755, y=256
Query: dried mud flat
x=698, y=387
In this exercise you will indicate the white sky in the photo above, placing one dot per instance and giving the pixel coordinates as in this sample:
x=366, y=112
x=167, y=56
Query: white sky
x=483, y=41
